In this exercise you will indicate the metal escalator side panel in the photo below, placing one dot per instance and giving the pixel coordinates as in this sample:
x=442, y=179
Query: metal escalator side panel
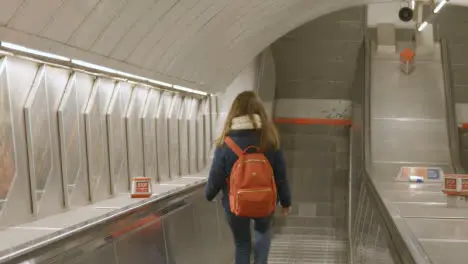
x=134, y=131
x=40, y=109
x=162, y=131
x=97, y=139
x=16, y=79
x=116, y=129
x=150, y=136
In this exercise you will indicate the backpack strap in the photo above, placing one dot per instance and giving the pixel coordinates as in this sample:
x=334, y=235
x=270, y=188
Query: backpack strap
x=233, y=146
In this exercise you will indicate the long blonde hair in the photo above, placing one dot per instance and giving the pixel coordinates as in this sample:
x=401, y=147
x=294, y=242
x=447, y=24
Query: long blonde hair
x=248, y=104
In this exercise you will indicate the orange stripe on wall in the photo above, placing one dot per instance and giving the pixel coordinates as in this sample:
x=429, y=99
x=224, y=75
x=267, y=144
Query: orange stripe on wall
x=313, y=121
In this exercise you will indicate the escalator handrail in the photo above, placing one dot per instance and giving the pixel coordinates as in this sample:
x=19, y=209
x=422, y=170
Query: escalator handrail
x=410, y=249
x=76, y=230
x=454, y=144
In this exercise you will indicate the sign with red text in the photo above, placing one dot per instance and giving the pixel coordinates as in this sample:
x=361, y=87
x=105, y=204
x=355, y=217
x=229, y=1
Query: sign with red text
x=141, y=187
x=456, y=184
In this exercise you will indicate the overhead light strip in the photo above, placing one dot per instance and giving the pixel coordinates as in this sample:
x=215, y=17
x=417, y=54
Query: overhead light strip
x=436, y=10
x=161, y=83
x=440, y=6
x=93, y=66
x=178, y=87
x=33, y=51
x=422, y=26
x=133, y=76
x=11, y=46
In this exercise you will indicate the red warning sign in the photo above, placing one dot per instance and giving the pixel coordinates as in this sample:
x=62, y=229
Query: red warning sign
x=464, y=185
x=451, y=184
x=141, y=187
x=456, y=184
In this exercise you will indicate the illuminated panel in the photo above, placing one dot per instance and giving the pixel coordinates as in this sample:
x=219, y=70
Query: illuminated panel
x=184, y=136
x=70, y=136
x=173, y=121
x=192, y=135
x=7, y=147
x=149, y=135
x=135, y=132
x=208, y=135
x=38, y=133
x=43, y=139
x=117, y=137
x=96, y=139
x=163, y=136
x=201, y=135
x=16, y=81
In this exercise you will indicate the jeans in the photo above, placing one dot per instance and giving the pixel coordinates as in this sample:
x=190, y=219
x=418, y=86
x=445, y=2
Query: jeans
x=240, y=227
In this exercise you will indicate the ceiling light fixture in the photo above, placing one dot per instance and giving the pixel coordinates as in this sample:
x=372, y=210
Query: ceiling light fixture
x=133, y=76
x=181, y=88
x=93, y=66
x=161, y=83
x=12, y=46
x=422, y=26
x=439, y=6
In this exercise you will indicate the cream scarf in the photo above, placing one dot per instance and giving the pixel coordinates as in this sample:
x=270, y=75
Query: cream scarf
x=243, y=122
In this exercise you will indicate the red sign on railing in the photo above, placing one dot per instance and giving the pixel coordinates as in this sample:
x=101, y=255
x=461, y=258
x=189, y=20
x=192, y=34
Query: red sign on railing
x=407, y=60
x=141, y=187
x=407, y=55
x=456, y=184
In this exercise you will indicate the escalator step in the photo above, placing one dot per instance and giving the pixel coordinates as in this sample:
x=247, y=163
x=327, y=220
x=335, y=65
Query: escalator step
x=314, y=249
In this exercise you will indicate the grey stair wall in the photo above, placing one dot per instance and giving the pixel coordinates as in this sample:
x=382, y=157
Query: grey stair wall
x=316, y=64
x=317, y=158
x=317, y=60
x=452, y=24
x=404, y=37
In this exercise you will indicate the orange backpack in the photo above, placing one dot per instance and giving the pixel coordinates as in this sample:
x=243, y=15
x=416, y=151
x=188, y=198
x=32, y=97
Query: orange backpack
x=252, y=188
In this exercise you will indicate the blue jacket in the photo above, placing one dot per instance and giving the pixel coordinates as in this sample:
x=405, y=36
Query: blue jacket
x=224, y=159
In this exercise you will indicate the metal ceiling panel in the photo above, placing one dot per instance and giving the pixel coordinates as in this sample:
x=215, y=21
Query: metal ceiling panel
x=67, y=19
x=96, y=22
x=121, y=25
x=200, y=44
x=8, y=9
x=32, y=16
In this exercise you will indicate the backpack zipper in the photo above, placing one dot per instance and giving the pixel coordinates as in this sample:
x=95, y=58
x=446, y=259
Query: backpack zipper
x=253, y=160
x=250, y=161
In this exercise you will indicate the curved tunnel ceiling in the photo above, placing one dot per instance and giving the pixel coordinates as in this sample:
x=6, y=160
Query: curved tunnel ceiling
x=201, y=44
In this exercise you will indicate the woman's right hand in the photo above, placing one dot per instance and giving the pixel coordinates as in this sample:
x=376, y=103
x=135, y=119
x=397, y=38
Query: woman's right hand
x=285, y=210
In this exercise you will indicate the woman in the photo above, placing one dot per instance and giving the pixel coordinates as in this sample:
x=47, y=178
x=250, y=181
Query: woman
x=247, y=124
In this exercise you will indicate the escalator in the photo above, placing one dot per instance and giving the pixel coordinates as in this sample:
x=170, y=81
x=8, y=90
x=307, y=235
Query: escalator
x=409, y=122
x=408, y=115
x=316, y=231
x=350, y=220
x=183, y=228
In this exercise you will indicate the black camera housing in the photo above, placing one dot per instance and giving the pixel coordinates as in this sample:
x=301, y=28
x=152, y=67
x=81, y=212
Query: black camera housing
x=406, y=14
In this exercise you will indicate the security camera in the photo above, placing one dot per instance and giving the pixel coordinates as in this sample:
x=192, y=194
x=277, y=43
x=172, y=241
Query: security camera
x=405, y=14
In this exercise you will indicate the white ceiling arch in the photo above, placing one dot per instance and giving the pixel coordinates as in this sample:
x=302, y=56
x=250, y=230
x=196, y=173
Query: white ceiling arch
x=201, y=44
